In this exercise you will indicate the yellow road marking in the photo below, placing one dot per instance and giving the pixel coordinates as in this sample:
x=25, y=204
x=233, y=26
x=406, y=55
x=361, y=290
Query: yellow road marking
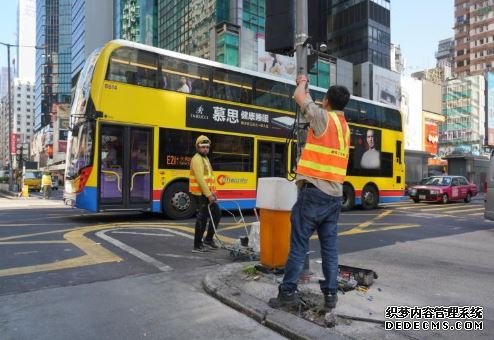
x=371, y=221
x=95, y=253
x=360, y=231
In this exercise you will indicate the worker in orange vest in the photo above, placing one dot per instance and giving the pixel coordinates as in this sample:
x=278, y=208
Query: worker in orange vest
x=202, y=187
x=321, y=171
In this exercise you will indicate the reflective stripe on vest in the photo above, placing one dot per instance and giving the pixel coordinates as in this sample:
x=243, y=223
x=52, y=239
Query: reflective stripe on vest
x=326, y=156
x=194, y=187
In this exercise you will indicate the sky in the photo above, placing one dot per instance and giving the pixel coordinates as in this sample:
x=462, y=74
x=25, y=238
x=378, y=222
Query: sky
x=416, y=25
x=8, y=23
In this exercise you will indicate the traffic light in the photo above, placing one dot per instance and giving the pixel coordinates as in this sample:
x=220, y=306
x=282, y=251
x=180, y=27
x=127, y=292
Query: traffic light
x=318, y=21
x=280, y=26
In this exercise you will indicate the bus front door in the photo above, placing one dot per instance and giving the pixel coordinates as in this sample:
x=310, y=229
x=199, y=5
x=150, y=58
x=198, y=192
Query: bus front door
x=125, y=168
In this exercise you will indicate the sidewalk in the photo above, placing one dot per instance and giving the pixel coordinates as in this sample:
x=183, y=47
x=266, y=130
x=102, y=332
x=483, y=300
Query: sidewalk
x=249, y=294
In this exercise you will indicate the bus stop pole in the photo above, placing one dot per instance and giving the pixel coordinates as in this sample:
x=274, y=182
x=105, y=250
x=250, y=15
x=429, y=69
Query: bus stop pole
x=301, y=52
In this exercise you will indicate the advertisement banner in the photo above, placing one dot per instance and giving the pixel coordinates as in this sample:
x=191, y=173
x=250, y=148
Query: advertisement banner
x=275, y=64
x=431, y=137
x=490, y=108
x=386, y=86
x=205, y=114
x=13, y=143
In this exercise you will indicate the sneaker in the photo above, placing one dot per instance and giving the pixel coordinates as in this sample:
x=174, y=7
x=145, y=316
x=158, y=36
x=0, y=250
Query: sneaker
x=284, y=299
x=330, y=301
x=211, y=244
x=200, y=249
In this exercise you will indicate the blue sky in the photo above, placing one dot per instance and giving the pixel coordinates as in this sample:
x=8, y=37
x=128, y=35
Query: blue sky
x=416, y=25
x=8, y=23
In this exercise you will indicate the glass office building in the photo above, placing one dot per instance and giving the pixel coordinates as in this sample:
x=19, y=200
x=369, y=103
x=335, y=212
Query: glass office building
x=136, y=20
x=53, y=64
x=359, y=31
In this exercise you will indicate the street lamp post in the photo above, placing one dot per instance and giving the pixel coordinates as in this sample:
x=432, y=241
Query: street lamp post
x=11, y=180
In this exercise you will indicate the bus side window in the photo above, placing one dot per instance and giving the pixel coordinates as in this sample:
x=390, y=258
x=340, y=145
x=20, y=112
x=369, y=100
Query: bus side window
x=133, y=66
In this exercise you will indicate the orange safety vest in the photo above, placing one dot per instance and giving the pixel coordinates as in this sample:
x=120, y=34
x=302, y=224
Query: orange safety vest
x=194, y=187
x=326, y=156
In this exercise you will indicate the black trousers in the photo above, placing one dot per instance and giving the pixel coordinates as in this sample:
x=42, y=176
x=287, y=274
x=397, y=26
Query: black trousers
x=202, y=219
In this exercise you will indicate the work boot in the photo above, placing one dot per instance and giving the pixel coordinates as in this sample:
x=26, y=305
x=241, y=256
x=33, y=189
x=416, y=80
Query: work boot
x=330, y=301
x=211, y=244
x=284, y=299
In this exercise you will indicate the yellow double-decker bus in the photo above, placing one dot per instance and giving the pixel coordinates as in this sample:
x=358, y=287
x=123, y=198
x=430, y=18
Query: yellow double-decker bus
x=137, y=111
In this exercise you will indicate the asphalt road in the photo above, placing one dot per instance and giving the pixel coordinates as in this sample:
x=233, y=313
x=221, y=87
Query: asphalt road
x=67, y=273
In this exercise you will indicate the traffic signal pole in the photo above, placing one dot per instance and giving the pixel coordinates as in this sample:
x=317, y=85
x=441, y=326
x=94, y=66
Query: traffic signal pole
x=301, y=52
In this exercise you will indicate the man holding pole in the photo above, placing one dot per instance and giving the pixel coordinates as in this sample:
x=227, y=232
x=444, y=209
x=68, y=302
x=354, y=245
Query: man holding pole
x=321, y=171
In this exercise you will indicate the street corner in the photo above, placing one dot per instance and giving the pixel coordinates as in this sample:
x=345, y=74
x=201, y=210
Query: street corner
x=248, y=290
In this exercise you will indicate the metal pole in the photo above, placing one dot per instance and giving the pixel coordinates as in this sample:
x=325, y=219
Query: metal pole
x=301, y=51
x=11, y=175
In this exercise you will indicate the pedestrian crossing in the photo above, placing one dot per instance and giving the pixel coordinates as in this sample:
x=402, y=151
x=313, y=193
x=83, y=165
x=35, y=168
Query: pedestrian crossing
x=26, y=203
x=430, y=209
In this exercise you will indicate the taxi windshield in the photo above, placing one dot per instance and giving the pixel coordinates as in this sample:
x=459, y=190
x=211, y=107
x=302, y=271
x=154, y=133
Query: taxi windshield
x=440, y=181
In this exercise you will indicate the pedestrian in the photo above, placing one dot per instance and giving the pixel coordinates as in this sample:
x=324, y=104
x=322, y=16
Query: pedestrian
x=46, y=184
x=321, y=171
x=202, y=187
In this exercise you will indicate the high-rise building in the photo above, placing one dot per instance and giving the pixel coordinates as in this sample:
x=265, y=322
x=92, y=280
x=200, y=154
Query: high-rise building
x=26, y=39
x=53, y=64
x=4, y=132
x=137, y=20
x=463, y=106
x=474, y=51
x=445, y=52
x=211, y=29
x=92, y=27
x=22, y=112
x=359, y=31
x=4, y=79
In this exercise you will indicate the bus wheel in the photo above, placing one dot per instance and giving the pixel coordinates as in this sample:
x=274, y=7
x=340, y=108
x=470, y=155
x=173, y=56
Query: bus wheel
x=348, y=198
x=370, y=197
x=177, y=202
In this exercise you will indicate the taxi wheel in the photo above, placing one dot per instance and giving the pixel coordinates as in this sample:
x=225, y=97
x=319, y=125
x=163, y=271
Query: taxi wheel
x=445, y=199
x=177, y=202
x=370, y=197
x=468, y=198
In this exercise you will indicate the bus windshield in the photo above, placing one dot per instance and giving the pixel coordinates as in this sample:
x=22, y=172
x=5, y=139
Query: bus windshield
x=80, y=152
x=80, y=138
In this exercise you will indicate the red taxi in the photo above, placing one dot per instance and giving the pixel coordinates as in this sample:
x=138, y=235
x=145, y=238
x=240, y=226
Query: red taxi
x=443, y=189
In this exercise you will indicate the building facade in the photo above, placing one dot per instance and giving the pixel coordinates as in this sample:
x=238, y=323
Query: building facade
x=474, y=39
x=4, y=132
x=22, y=116
x=53, y=71
x=463, y=105
x=92, y=27
x=359, y=31
x=136, y=20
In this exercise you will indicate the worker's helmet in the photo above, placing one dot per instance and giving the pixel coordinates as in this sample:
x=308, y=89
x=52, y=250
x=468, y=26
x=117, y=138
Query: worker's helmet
x=202, y=141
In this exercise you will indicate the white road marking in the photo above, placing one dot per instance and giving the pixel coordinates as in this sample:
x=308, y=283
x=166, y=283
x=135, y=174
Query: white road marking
x=178, y=233
x=181, y=256
x=146, y=258
x=146, y=234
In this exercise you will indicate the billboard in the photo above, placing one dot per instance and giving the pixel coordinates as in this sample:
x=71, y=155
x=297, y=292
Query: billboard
x=386, y=86
x=431, y=137
x=275, y=64
x=411, y=108
x=490, y=108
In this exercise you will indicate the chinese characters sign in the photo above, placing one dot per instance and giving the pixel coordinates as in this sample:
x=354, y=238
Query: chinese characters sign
x=225, y=117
